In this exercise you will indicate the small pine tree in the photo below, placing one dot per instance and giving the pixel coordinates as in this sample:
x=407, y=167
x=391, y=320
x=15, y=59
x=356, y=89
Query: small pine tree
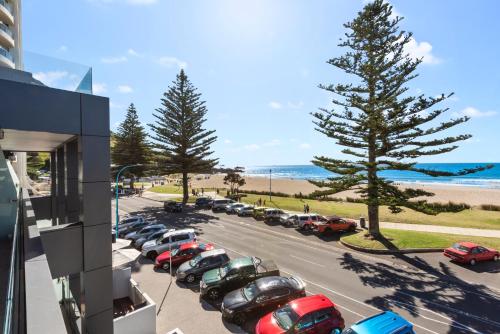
x=130, y=145
x=234, y=180
x=377, y=121
x=178, y=132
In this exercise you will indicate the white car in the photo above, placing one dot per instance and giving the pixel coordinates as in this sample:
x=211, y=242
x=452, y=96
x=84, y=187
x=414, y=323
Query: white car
x=245, y=211
x=231, y=208
x=169, y=240
x=220, y=204
x=306, y=221
x=129, y=221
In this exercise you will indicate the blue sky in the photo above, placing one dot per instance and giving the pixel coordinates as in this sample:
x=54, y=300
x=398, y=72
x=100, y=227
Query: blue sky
x=258, y=63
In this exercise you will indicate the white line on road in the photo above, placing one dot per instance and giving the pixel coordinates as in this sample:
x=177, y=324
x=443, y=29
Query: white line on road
x=311, y=262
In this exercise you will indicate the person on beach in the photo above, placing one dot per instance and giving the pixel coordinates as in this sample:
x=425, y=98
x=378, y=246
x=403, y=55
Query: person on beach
x=304, y=208
x=307, y=208
x=202, y=191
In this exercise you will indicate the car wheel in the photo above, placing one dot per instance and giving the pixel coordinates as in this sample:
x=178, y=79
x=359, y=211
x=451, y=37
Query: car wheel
x=190, y=278
x=152, y=255
x=496, y=257
x=239, y=319
x=472, y=262
x=166, y=266
x=213, y=294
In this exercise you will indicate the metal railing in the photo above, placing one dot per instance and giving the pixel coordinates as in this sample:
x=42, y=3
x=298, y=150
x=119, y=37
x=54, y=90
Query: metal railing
x=4, y=52
x=6, y=29
x=11, y=300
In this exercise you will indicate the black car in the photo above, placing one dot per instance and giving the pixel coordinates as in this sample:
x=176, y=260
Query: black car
x=260, y=297
x=192, y=270
x=203, y=202
x=172, y=206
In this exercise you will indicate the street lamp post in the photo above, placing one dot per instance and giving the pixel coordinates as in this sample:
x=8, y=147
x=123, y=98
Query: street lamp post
x=116, y=189
x=269, y=185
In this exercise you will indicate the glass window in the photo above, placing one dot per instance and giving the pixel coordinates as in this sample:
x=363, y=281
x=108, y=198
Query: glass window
x=461, y=248
x=322, y=315
x=305, y=323
x=250, y=291
x=475, y=250
x=285, y=317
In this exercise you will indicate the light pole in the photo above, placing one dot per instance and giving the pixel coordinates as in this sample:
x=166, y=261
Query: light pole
x=116, y=189
x=269, y=185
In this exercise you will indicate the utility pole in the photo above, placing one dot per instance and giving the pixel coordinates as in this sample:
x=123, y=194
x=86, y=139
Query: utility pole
x=269, y=185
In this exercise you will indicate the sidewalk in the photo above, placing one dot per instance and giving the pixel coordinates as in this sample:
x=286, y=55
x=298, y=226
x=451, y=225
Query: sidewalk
x=474, y=232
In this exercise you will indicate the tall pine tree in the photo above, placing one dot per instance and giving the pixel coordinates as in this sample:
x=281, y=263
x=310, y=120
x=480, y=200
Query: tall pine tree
x=378, y=122
x=179, y=134
x=130, y=145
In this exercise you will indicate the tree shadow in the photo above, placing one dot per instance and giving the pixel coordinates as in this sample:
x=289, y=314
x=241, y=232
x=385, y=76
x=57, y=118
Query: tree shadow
x=423, y=290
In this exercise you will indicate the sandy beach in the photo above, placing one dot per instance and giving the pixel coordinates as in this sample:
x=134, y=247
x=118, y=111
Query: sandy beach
x=443, y=193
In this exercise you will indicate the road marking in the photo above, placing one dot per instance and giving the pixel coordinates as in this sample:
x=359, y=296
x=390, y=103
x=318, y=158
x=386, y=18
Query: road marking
x=302, y=259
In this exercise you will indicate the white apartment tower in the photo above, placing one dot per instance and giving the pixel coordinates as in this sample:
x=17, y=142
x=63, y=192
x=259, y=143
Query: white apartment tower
x=10, y=34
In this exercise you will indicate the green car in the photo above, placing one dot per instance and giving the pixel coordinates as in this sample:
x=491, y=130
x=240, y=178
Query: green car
x=258, y=212
x=235, y=274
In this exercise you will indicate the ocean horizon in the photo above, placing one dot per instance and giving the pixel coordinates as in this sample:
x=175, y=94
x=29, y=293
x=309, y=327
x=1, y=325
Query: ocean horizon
x=489, y=178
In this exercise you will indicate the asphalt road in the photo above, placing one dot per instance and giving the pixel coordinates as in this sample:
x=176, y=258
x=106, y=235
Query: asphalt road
x=437, y=296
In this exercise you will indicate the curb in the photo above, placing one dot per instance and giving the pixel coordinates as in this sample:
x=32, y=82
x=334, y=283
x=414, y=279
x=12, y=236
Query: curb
x=386, y=251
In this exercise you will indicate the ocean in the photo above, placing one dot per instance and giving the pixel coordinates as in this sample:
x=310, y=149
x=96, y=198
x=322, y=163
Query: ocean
x=489, y=178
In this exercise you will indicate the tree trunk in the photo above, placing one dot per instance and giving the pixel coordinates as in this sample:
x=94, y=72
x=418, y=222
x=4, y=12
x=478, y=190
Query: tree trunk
x=373, y=223
x=185, y=188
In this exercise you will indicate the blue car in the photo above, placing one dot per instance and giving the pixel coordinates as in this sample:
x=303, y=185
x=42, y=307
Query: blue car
x=383, y=323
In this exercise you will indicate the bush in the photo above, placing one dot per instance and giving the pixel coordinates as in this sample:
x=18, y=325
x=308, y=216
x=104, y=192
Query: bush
x=490, y=207
x=266, y=193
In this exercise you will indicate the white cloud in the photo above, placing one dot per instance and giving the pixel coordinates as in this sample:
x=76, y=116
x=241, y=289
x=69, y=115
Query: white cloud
x=251, y=147
x=171, y=62
x=125, y=89
x=304, y=146
x=227, y=141
x=274, y=142
x=114, y=60
x=473, y=112
x=51, y=77
x=422, y=49
x=134, y=53
x=99, y=88
x=62, y=48
x=142, y=2
x=275, y=105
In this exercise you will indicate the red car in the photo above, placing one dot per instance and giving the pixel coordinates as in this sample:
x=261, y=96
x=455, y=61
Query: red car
x=182, y=254
x=312, y=315
x=469, y=252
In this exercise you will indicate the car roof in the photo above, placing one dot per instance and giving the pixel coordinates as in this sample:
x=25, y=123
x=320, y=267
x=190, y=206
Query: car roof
x=468, y=244
x=271, y=282
x=311, y=303
x=385, y=322
x=212, y=252
x=187, y=245
x=155, y=225
x=303, y=216
x=186, y=230
x=241, y=262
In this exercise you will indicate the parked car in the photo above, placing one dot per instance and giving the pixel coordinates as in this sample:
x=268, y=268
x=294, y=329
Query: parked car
x=308, y=224
x=235, y=274
x=231, y=208
x=471, y=253
x=261, y=296
x=172, y=206
x=139, y=242
x=192, y=270
x=334, y=224
x=143, y=232
x=287, y=219
x=130, y=220
x=313, y=314
x=168, y=241
x=383, y=323
x=245, y=211
x=258, y=212
x=272, y=215
x=220, y=204
x=203, y=203
x=182, y=254
x=124, y=230
x=302, y=220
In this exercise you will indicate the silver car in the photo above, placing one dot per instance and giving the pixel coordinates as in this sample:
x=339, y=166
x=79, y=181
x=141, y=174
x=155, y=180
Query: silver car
x=169, y=240
x=139, y=242
x=245, y=211
x=145, y=231
x=231, y=208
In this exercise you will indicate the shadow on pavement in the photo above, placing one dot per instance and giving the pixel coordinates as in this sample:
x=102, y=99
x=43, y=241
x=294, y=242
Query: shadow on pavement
x=436, y=289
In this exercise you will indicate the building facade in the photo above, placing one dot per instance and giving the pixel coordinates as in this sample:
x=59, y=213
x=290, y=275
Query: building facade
x=10, y=34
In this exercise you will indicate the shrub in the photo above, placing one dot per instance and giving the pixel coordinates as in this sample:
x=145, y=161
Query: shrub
x=490, y=207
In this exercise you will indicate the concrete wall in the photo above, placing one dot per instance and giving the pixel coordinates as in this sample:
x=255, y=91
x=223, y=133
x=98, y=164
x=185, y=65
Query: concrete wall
x=9, y=189
x=42, y=206
x=121, y=282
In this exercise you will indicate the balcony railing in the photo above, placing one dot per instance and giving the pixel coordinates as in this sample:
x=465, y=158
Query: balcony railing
x=6, y=53
x=6, y=29
x=6, y=5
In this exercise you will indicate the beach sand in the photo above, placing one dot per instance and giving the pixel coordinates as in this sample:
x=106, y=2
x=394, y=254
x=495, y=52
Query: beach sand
x=443, y=193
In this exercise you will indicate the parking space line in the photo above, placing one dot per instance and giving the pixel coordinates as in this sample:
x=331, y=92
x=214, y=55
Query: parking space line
x=311, y=262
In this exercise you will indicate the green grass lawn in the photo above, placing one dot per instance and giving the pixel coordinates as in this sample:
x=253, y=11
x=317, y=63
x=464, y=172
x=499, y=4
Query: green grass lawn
x=411, y=239
x=474, y=218
x=167, y=189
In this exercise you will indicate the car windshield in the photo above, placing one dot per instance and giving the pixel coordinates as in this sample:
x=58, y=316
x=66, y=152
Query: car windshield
x=461, y=248
x=350, y=331
x=195, y=261
x=286, y=317
x=174, y=252
x=250, y=291
x=224, y=270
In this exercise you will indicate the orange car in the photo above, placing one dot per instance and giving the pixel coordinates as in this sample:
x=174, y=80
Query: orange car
x=335, y=224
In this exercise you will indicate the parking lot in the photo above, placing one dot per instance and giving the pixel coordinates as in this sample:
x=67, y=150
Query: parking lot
x=435, y=297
